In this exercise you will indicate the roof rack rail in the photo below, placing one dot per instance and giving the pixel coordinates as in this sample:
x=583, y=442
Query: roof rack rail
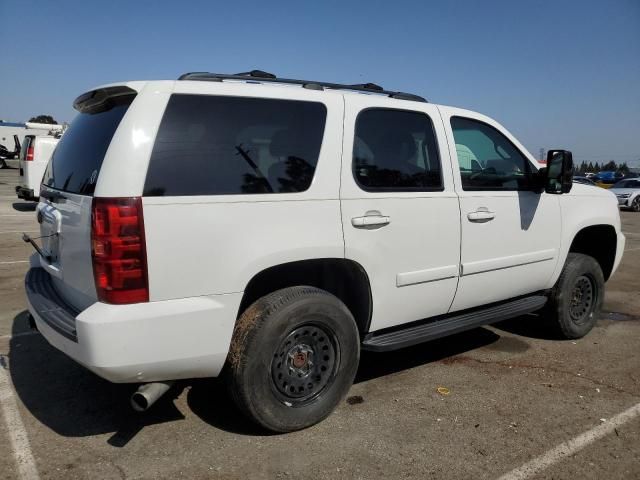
x=261, y=76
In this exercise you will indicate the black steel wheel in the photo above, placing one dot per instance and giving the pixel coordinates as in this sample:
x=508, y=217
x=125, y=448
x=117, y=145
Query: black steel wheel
x=304, y=364
x=293, y=357
x=582, y=299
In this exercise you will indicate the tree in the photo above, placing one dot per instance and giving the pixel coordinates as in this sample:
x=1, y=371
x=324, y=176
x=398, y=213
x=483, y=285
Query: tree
x=44, y=119
x=583, y=167
x=609, y=166
x=623, y=168
x=591, y=168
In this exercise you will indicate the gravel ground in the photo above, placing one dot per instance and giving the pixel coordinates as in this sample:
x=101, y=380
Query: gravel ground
x=514, y=393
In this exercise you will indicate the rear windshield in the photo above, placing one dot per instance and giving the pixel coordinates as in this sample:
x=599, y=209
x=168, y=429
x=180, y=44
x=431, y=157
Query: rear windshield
x=76, y=161
x=215, y=145
x=26, y=143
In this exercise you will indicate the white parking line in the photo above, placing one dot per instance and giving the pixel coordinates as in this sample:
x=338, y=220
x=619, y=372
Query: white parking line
x=17, y=434
x=572, y=446
x=21, y=334
x=14, y=261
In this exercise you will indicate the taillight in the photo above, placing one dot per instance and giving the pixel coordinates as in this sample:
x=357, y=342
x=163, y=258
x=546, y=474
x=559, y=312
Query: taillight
x=29, y=156
x=118, y=250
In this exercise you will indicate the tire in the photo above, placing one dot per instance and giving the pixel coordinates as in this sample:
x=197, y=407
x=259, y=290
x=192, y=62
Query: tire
x=576, y=299
x=3, y=164
x=292, y=359
x=635, y=204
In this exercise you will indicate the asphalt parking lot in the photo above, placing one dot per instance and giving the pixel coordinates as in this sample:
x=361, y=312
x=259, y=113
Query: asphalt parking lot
x=514, y=394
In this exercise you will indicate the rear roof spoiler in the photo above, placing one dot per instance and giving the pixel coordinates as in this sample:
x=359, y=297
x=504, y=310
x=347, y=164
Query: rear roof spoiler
x=102, y=99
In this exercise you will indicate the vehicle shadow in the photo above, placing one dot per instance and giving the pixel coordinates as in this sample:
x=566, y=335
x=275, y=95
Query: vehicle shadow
x=74, y=402
x=209, y=400
x=69, y=399
x=528, y=203
x=532, y=325
x=25, y=206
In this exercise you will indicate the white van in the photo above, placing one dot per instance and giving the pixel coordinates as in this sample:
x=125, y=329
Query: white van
x=34, y=157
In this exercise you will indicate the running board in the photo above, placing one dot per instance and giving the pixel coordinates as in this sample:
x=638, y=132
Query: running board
x=413, y=334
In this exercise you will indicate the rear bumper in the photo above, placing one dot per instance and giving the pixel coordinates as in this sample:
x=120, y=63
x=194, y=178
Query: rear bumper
x=24, y=193
x=142, y=342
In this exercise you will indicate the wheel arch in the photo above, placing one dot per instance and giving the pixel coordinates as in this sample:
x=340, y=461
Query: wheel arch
x=341, y=277
x=598, y=241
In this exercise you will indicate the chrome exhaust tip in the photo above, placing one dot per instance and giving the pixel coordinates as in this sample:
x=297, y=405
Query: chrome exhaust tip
x=147, y=394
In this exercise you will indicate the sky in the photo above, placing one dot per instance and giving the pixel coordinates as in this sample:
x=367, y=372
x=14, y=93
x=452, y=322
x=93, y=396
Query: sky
x=557, y=74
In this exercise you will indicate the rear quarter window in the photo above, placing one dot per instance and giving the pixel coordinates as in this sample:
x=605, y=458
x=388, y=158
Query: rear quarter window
x=216, y=145
x=77, y=159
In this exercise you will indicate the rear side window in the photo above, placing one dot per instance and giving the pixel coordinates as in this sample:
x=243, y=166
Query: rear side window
x=76, y=161
x=214, y=145
x=395, y=150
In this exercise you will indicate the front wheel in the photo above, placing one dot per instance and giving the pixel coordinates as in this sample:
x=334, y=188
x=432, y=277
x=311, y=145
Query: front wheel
x=635, y=204
x=575, y=301
x=293, y=356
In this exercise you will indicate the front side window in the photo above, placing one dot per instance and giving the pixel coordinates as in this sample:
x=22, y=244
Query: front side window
x=215, y=145
x=395, y=150
x=487, y=159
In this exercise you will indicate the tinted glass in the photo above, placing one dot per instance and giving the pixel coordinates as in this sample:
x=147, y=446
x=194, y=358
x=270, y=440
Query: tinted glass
x=76, y=161
x=487, y=159
x=395, y=150
x=211, y=145
x=26, y=143
x=627, y=184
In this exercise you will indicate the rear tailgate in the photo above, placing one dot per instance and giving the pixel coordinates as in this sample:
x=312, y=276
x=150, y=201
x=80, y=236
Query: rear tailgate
x=64, y=212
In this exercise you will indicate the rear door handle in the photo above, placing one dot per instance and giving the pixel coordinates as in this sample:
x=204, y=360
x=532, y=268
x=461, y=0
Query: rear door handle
x=370, y=221
x=481, y=215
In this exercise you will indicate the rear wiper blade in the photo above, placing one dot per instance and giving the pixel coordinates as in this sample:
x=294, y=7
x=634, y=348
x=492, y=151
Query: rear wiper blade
x=52, y=195
x=30, y=240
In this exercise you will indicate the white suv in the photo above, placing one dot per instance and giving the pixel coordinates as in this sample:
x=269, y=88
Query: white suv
x=269, y=229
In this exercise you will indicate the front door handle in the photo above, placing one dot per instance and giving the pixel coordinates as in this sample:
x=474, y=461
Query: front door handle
x=481, y=215
x=370, y=221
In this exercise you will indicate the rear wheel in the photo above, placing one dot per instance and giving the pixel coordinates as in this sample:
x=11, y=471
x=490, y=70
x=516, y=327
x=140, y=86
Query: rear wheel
x=574, y=304
x=293, y=357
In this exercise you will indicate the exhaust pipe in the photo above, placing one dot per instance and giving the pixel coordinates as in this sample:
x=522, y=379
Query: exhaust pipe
x=147, y=395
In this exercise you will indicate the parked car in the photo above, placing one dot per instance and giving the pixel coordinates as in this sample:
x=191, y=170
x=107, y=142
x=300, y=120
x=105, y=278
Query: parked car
x=627, y=192
x=270, y=229
x=33, y=162
x=583, y=180
x=606, y=179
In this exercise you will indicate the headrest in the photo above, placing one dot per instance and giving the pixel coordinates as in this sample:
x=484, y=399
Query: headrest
x=284, y=144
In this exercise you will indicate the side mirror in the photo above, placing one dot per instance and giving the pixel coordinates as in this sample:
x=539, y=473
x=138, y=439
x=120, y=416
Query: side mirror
x=559, y=172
